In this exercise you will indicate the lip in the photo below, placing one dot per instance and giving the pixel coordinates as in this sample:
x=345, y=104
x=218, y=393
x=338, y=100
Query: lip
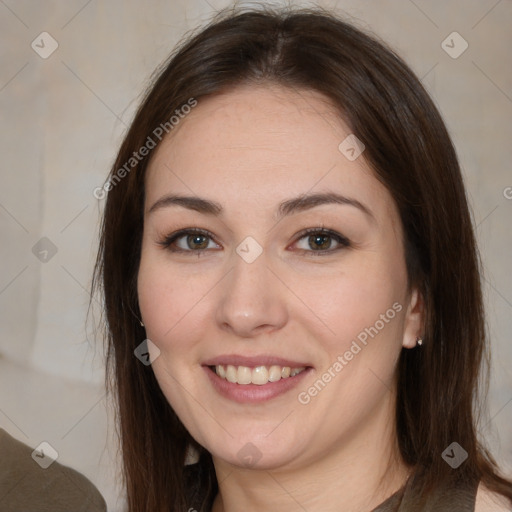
x=254, y=393
x=253, y=361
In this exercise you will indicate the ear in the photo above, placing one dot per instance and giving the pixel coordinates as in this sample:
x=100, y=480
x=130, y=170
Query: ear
x=414, y=320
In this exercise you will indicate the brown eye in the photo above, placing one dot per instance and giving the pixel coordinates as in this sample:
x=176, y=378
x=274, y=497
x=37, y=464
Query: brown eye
x=196, y=241
x=188, y=240
x=320, y=241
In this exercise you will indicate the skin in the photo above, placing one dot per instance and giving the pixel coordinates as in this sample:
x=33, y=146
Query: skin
x=249, y=150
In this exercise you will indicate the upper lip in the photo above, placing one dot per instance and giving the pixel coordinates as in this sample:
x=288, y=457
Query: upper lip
x=253, y=361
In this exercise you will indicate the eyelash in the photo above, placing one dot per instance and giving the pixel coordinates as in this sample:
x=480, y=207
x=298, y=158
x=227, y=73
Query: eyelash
x=173, y=237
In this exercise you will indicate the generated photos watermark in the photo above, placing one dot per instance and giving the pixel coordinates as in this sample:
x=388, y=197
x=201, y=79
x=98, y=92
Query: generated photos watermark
x=306, y=396
x=137, y=156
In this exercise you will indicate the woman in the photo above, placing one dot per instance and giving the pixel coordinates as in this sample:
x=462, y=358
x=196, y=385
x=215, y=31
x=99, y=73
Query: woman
x=287, y=241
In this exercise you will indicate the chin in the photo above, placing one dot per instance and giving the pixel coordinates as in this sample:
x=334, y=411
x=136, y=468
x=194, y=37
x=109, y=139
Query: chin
x=257, y=452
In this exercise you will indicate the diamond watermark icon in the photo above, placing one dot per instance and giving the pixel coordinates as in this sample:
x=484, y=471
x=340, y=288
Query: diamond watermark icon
x=249, y=249
x=249, y=455
x=44, y=250
x=454, y=455
x=45, y=455
x=454, y=45
x=44, y=45
x=147, y=352
x=351, y=147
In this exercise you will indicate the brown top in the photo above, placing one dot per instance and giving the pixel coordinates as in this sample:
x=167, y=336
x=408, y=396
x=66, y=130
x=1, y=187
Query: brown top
x=450, y=498
x=25, y=486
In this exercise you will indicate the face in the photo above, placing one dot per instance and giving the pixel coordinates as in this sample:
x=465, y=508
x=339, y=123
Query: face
x=277, y=292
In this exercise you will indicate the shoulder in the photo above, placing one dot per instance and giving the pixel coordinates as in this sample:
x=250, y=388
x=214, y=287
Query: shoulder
x=27, y=485
x=489, y=501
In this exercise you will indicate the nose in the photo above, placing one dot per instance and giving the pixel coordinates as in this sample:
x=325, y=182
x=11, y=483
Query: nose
x=252, y=300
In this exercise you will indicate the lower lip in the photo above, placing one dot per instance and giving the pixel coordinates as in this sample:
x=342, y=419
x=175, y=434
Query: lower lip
x=253, y=393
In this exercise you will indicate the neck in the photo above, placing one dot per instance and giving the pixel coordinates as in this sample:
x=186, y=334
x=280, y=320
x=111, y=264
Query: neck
x=355, y=475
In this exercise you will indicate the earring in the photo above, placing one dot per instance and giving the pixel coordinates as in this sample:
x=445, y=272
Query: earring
x=419, y=340
x=137, y=317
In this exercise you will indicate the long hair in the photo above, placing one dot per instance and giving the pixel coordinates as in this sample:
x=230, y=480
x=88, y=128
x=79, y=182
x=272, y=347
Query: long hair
x=407, y=145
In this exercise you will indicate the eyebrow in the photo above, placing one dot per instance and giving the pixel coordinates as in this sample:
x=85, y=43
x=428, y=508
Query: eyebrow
x=288, y=207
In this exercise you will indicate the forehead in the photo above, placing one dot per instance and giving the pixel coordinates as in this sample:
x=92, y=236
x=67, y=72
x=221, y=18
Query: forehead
x=260, y=145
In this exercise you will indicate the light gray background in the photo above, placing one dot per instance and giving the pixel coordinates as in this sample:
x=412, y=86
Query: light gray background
x=62, y=120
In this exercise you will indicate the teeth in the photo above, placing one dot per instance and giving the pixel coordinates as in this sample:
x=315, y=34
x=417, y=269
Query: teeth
x=221, y=372
x=259, y=375
x=274, y=373
x=231, y=374
x=244, y=375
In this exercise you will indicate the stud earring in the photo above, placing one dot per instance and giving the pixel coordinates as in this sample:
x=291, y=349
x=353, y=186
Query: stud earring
x=141, y=323
x=419, y=340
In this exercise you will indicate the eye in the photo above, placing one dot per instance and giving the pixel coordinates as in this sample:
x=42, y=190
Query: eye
x=192, y=240
x=319, y=241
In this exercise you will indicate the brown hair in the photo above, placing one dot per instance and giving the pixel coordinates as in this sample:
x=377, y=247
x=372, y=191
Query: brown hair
x=411, y=153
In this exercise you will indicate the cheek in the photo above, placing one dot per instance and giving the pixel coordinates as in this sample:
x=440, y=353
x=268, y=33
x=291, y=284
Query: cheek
x=357, y=298
x=171, y=303
x=158, y=295
x=155, y=300
x=171, y=306
x=364, y=310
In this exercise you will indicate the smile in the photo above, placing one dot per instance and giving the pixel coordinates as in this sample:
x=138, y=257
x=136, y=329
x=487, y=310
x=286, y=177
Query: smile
x=256, y=383
x=259, y=375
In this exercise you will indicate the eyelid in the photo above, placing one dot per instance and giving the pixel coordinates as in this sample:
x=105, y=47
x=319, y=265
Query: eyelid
x=339, y=238
x=170, y=239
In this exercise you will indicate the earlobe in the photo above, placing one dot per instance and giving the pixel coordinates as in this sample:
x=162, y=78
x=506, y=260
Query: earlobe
x=414, y=320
